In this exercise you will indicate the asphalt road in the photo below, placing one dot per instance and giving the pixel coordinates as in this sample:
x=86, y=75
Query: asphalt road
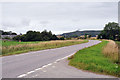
x=61, y=69
x=19, y=65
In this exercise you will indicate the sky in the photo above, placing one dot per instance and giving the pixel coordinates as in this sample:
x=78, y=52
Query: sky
x=59, y=17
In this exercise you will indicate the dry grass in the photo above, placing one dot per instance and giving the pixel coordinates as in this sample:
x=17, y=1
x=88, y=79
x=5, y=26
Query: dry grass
x=20, y=48
x=111, y=50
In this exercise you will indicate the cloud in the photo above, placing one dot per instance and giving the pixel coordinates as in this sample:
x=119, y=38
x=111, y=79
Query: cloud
x=25, y=22
x=57, y=17
x=44, y=22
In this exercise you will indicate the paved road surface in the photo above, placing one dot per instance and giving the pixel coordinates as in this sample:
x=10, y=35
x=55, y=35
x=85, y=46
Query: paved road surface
x=61, y=69
x=18, y=65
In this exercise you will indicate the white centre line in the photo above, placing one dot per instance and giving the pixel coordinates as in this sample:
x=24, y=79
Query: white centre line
x=23, y=75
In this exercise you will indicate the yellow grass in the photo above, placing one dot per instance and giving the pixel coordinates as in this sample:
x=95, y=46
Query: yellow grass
x=20, y=48
x=111, y=50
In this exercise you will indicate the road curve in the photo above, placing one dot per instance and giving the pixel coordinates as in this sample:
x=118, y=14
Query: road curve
x=15, y=65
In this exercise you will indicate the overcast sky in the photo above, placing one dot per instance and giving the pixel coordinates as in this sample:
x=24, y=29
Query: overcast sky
x=59, y=17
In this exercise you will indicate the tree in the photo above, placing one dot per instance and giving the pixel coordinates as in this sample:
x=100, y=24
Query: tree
x=45, y=35
x=36, y=36
x=17, y=38
x=85, y=36
x=13, y=34
x=118, y=37
x=30, y=35
x=7, y=33
x=74, y=36
x=111, y=31
x=89, y=36
x=54, y=37
x=62, y=38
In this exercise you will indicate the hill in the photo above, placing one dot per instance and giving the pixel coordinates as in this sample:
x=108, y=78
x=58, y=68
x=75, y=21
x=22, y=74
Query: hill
x=93, y=33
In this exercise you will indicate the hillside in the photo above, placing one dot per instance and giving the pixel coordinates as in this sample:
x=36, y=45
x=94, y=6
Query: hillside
x=93, y=33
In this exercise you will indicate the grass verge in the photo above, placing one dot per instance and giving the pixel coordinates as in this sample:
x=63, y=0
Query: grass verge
x=118, y=43
x=111, y=51
x=21, y=48
x=92, y=59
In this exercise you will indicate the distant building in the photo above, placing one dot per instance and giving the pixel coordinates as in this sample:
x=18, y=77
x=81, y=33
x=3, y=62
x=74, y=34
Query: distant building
x=59, y=36
x=94, y=37
x=83, y=36
x=8, y=36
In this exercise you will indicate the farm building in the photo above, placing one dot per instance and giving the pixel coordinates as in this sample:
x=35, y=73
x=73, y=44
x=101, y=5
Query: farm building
x=8, y=36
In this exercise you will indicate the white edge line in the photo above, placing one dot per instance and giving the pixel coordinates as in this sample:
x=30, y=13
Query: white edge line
x=23, y=75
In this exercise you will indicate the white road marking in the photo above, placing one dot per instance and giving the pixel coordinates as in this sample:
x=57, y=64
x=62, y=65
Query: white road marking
x=44, y=71
x=30, y=72
x=55, y=62
x=38, y=69
x=53, y=66
x=23, y=75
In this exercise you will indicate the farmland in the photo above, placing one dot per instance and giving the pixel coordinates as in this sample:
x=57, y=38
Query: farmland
x=13, y=47
x=11, y=43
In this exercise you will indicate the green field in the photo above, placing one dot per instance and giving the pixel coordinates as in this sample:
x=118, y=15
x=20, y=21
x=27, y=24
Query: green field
x=13, y=47
x=9, y=43
x=118, y=42
x=93, y=60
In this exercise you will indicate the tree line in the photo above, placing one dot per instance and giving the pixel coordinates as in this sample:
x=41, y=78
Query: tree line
x=111, y=31
x=36, y=36
x=7, y=33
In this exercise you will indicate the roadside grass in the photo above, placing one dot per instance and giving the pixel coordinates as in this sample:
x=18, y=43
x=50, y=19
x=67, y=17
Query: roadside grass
x=28, y=46
x=118, y=43
x=111, y=51
x=92, y=59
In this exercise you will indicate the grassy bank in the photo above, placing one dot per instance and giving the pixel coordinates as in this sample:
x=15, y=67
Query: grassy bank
x=92, y=59
x=118, y=43
x=111, y=51
x=22, y=47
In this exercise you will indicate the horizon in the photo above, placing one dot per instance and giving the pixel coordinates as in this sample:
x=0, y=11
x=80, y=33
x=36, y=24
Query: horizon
x=51, y=31
x=57, y=17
